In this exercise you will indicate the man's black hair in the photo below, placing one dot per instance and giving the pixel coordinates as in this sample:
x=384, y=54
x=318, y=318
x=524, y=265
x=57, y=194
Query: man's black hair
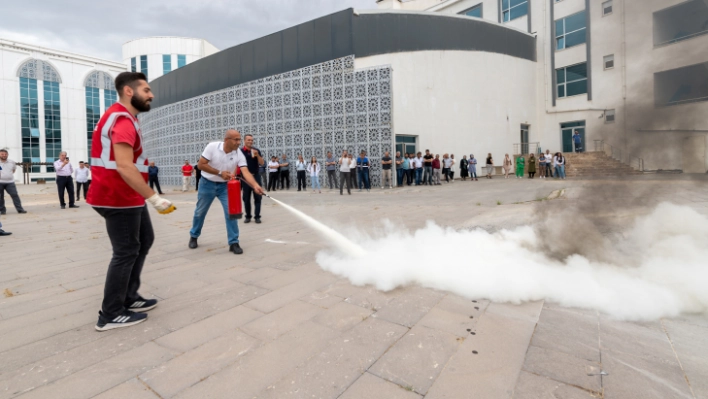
x=129, y=79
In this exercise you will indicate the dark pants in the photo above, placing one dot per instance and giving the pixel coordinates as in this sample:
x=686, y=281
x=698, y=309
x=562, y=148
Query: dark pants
x=344, y=178
x=199, y=176
x=399, y=174
x=332, y=177
x=155, y=182
x=352, y=177
x=131, y=235
x=301, y=180
x=264, y=178
x=409, y=176
x=284, y=178
x=247, y=190
x=12, y=190
x=364, y=178
x=418, y=176
x=65, y=183
x=79, y=186
x=272, y=180
x=446, y=173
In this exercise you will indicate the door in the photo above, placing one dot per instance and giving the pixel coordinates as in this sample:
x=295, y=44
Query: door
x=567, y=129
x=524, y=139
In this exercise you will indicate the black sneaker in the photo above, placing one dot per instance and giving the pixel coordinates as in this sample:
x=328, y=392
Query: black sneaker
x=236, y=249
x=142, y=305
x=247, y=220
x=193, y=243
x=258, y=220
x=126, y=319
x=73, y=206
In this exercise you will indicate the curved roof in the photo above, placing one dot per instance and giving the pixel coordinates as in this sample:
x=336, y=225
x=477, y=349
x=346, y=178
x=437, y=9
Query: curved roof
x=337, y=35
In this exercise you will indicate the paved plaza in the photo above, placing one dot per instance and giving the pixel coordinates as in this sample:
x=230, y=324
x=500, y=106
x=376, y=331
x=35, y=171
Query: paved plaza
x=271, y=324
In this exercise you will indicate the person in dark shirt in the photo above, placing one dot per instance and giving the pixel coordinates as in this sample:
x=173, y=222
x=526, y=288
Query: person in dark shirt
x=362, y=165
x=428, y=168
x=254, y=160
x=152, y=177
x=386, y=163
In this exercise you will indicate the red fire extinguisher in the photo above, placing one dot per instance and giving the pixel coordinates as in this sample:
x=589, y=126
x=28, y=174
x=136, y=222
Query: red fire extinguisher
x=233, y=189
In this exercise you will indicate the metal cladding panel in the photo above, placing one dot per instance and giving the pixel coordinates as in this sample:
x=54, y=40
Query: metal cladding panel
x=402, y=32
x=334, y=36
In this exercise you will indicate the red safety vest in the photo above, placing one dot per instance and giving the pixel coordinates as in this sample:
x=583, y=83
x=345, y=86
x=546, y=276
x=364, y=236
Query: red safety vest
x=108, y=189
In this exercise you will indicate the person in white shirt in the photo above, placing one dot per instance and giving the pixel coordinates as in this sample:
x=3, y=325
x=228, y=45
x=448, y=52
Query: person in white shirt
x=82, y=178
x=314, y=170
x=273, y=167
x=418, y=169
x=65, y=182
x=301, y=168
x=218, y=164
x=344, y=168
x=7, y=183
x=452, y=168
x=447, y=164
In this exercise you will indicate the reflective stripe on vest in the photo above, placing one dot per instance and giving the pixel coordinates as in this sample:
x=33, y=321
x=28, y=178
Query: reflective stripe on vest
x=105, y=160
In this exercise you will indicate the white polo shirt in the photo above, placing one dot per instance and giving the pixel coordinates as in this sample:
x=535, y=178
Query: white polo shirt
x=344, y=165
x=221, y=161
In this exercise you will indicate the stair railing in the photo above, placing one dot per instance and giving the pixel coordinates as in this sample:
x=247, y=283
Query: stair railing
x=616, y=153
x=527, y=148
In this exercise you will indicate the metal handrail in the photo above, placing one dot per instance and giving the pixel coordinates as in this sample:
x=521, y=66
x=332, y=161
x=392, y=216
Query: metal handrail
x=527, y=148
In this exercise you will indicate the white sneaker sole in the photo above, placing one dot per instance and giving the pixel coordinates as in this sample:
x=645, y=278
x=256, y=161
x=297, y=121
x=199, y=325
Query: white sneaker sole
x=112, y=326
x=141, y=310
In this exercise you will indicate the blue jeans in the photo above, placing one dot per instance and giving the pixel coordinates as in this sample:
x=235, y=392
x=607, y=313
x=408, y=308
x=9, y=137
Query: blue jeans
x=428, y=176
x=418, y=175
x=399, y=173
x=364, y=179
x=208, y=190
x=315, y=182
x=560, y=171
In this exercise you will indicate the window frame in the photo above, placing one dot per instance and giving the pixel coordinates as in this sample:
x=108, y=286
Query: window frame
x=166, y=63
x=508, y=10
x=479, y=6
x=183, y=56
x=144, y=68
x=565, y=81
x=133, y=64
x=604, y=7
x=565, y=33
x=609, y=112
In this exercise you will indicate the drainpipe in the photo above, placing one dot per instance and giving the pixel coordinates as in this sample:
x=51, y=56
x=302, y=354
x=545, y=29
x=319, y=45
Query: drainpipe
x=623, y=60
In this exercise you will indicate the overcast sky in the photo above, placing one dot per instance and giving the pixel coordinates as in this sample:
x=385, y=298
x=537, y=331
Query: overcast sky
x=99, y=27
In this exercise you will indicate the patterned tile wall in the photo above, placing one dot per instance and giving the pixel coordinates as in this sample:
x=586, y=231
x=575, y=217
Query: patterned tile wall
x=309, y=111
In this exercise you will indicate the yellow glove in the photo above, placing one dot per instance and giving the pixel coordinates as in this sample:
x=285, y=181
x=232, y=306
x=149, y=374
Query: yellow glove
x=162, y=205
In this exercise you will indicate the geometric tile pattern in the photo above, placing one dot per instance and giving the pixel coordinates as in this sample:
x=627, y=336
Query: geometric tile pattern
x=40, y=70
x=312, y=110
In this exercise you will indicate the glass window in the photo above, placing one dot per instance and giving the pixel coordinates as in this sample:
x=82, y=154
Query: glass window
x=609, y=61
x=93, y=112
x=572, y=80
x=475, y=11
x=684, y=21
x=133, y=66
x=144, y=64
x=682, y=85
x=52, y=122
x=110, y=97
x=166, y=63
x=607, y=7
x=29, y=121
x=181, y=60
x=570, y=31
x=512, y=9
x=610, y=116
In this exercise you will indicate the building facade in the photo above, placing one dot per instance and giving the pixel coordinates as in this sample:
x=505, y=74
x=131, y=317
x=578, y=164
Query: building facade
x=50, y=101
x=629, y=72
x=157, y=56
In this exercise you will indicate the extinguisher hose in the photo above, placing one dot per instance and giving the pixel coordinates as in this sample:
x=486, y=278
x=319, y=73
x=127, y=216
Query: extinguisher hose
x=249, y=185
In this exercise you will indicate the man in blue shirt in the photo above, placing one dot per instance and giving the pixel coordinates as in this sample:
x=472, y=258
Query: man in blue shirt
x=152, y=177
x=578, y=141
x=254, y=160
x=362, y=166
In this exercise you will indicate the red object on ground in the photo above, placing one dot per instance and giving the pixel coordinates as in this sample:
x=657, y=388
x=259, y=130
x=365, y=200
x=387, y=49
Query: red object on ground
x=233, y=189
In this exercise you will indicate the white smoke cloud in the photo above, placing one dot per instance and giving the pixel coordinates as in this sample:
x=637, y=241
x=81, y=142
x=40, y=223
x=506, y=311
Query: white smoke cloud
x=667, y=274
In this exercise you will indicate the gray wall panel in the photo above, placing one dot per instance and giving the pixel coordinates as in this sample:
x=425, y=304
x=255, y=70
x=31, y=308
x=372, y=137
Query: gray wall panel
x=334, y=36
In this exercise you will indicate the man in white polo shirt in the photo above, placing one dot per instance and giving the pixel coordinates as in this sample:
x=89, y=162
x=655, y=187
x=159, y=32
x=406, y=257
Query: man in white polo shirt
x=218, y=164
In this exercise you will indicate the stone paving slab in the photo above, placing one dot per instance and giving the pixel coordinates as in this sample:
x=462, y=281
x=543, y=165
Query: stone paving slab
x=297, y=331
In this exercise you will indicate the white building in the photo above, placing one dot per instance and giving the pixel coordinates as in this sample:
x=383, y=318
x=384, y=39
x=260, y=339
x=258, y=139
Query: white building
x=50, y=101
x=157, y=56
x=639, y=73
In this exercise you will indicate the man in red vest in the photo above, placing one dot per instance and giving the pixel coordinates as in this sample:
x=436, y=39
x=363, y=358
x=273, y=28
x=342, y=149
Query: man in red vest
x=118, y=192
